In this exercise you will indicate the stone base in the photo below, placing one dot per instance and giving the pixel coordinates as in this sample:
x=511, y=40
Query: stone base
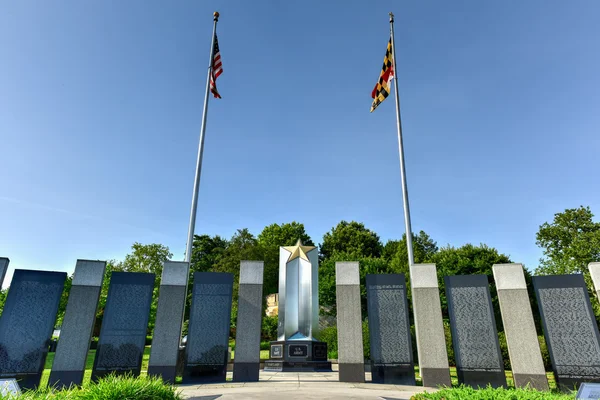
x=65, y=379
x=538, y=382
x=205, y=374
x=297, y=366
x=167, y=373
x=25, y=381
x=246, y=372
x=434, y=377
x=568, y=384
x=352, y=372
x=393, y=375
x=298, y=356
x=482, y=378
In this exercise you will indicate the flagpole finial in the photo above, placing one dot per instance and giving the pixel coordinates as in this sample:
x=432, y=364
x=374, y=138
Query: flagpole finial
x=216, y=15
x=391, y=16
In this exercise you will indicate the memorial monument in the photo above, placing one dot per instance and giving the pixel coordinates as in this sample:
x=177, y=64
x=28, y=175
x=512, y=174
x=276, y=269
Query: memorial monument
x=296, y=348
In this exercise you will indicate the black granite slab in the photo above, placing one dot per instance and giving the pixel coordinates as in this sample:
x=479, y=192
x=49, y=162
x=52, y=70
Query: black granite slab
x=474, y=334
x=124, y=325
x=27, y=323
x=570, y=329
x=208, y=331
x=389, y=330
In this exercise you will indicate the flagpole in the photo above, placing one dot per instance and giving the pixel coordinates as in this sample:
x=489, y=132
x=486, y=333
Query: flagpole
x=190, y=238
x=409, y=244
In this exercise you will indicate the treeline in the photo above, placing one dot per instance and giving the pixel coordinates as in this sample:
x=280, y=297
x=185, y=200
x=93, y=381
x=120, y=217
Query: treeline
x=569, y=243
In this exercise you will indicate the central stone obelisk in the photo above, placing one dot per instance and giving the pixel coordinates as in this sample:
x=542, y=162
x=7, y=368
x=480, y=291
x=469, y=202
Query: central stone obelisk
x=296, y=348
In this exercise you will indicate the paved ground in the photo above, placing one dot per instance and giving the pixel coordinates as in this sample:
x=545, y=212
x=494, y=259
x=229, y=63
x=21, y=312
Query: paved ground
x=305, y=386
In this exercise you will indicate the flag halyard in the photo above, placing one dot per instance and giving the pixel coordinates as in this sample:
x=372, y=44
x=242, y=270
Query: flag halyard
x=383, y=87
x=217, y=69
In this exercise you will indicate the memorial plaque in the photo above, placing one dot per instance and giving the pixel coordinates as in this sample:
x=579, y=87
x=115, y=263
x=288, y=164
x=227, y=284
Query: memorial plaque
x=389, y=330
x=124, y=325
x=320, y=352
x=569, y=328
x=277, y=351
x=27, y=323
x=588, y=391
x=9, y=387
x=474, y=335
x=298, y=350
x=208, y=332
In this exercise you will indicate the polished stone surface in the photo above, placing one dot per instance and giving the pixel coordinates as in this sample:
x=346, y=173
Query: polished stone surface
x=27, y=323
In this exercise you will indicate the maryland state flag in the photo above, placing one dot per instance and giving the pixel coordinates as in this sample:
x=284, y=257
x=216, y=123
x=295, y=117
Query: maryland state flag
x=383, y=88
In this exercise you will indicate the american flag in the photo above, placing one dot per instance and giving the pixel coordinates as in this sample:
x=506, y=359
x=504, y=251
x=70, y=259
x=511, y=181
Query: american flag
x=217, y=69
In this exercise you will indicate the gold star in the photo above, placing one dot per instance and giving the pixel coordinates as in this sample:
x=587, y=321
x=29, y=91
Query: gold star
x=298, y=251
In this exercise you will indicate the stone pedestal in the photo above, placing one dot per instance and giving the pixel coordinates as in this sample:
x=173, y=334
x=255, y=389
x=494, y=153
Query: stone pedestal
x=298, y=356
x=78, y=324
x=429, y=328
x=349, y=323
x=169, y=317
x=523, y=346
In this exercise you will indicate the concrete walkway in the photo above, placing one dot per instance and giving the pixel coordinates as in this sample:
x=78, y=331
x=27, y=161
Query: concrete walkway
x=305, y=386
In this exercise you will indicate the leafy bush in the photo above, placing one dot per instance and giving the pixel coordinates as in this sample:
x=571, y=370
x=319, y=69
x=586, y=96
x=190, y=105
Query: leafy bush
x=329, y=336
x=265, y=345
x=269, y=328
x=504, y=351
x=366, y=340
x=110, y=387
x=449, y=347
x=545, y=354
x=148, y=340
x=466, y=392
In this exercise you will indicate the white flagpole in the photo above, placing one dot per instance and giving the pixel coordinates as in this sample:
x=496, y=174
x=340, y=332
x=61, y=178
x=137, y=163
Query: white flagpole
x=190, y=238
x=409, y=244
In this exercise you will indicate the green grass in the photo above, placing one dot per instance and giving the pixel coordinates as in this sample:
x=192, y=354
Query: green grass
x=465, y=392
x=108, y=388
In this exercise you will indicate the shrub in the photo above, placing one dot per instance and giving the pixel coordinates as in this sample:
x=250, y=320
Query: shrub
x=269, y=328
x=545, y=354
x=366, y=340
x=265, y=345
x=110, y=387
x=466, y=392
x=504, y=351
x=329, y=336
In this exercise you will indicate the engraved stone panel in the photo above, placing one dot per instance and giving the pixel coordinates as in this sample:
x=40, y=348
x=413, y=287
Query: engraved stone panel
x=27, y=323
x=474, y=334
x=210, y=317
x=124, y=325
x=569, y=328
x=389, y=330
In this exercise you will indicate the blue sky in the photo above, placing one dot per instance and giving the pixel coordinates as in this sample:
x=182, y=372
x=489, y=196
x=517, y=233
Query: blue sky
x=100, y=111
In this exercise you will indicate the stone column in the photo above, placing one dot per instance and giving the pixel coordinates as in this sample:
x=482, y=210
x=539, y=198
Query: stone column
x=169, y=317
x=521, y=337
x=246, y=365
x=78, y=324
x=349, y=323
x=3, y=267
x=429, y=328
x=595, y=273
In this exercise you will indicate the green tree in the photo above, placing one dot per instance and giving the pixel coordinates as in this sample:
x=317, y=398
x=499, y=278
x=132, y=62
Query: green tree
x=206, y=252
x=147, y=258
x=469, y=260
x=269, y=240
x=570, y=242
x=396, y=252
x=352, y=239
